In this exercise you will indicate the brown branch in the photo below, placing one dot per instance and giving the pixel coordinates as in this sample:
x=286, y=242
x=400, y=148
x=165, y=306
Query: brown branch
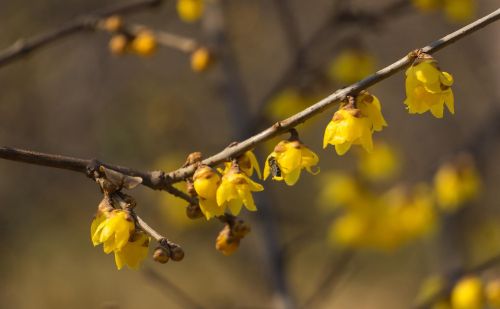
x=85, y=22
x=280, y=127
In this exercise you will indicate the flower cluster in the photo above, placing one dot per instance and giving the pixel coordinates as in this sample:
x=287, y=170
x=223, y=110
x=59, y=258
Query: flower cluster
x=354, y=123
x=115, y=230
x=428, y=88
x=232, y=191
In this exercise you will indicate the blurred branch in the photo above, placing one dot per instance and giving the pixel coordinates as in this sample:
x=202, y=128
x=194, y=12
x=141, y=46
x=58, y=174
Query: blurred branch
x=85, y=22
x=331, y=275
x=283, y=126
x=165, y=285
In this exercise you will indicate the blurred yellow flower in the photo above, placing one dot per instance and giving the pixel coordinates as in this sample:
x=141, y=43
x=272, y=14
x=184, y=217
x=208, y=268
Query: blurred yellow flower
x=467, y=293
x=190, y=10
x=339, y=189
x=349, y=230
x=348, y=126
x=286, y=103
x=460, y=10
x=492, y=293
x=351, y=65
x=428, y=88
x=114, y=231
x=144, y=43
x=200, y=59
x=456, y=184
x=381, y=164
x=134, y=252
x=206, y=183
x=427, y=5
x=236, y=190
x=287, y=161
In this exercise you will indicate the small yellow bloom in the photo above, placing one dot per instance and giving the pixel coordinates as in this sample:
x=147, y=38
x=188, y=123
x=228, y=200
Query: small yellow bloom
x=248, y=164
x=428, y=88
x=348, y=126
x=382, y=164
x=200, y=59
x=492, y=293
x=468, y=293
x=455, y=185
x=206, y=183
x=287, y=161
x=460, y=10
x=134, y=252
x=236, y=190
x=190, y=10
x=349, y=229
x=351, y=65
x=369, y=105
x=114, y=231
x=144, y=43
x=340, y=189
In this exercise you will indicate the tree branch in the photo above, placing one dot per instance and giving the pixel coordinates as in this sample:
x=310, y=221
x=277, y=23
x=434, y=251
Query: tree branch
x=85, y=22
x=280, y=127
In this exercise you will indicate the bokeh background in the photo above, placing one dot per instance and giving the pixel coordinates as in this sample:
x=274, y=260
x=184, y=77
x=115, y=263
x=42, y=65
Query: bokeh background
x=75, y=98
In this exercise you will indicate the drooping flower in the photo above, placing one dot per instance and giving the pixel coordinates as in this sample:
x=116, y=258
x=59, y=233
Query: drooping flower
x=428, y=88
x=348, y=126
x=467, y=293
x=369, y=105
x=351, y=65
x=287, y=161
x=113, y=231
x=226, y=242
x=190, y=10
x=456, y=184
x=236, y=190
x=134, y=252
x=206, y=183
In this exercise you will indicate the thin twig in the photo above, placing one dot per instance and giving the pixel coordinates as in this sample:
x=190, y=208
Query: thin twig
x=166, y=285
x=85, y=22
x=283, y=126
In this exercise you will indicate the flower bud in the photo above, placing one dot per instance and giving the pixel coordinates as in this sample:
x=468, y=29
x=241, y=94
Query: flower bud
x=160, y=255
x=200, y=59
x=118, y=44
x=193, y=212
x=241, y=229
x=144, y=43
x=113, y=23
x=176, y=253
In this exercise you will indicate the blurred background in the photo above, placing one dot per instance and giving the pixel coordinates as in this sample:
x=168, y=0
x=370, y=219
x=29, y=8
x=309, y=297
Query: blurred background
x=75, y=97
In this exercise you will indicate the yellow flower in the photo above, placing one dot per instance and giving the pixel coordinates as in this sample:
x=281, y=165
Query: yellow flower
x=236, y=190
x=351, y=65
x=340, y=189
x=382, y=164
x=427, y=5
x=114, y=231
x=144, y=43
x=287, y=161
x=118, y=44
x=134, y=252
x=428, y=88
x=248, y=164
x=200, y=59
x=460, y=10
x=286, y=103
x=467, y=293
x=348, y=126
x=206, y=182
x=190, y=10
x=349, y=229
x=455, y=185
x=369, y=105
x=492, y=293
